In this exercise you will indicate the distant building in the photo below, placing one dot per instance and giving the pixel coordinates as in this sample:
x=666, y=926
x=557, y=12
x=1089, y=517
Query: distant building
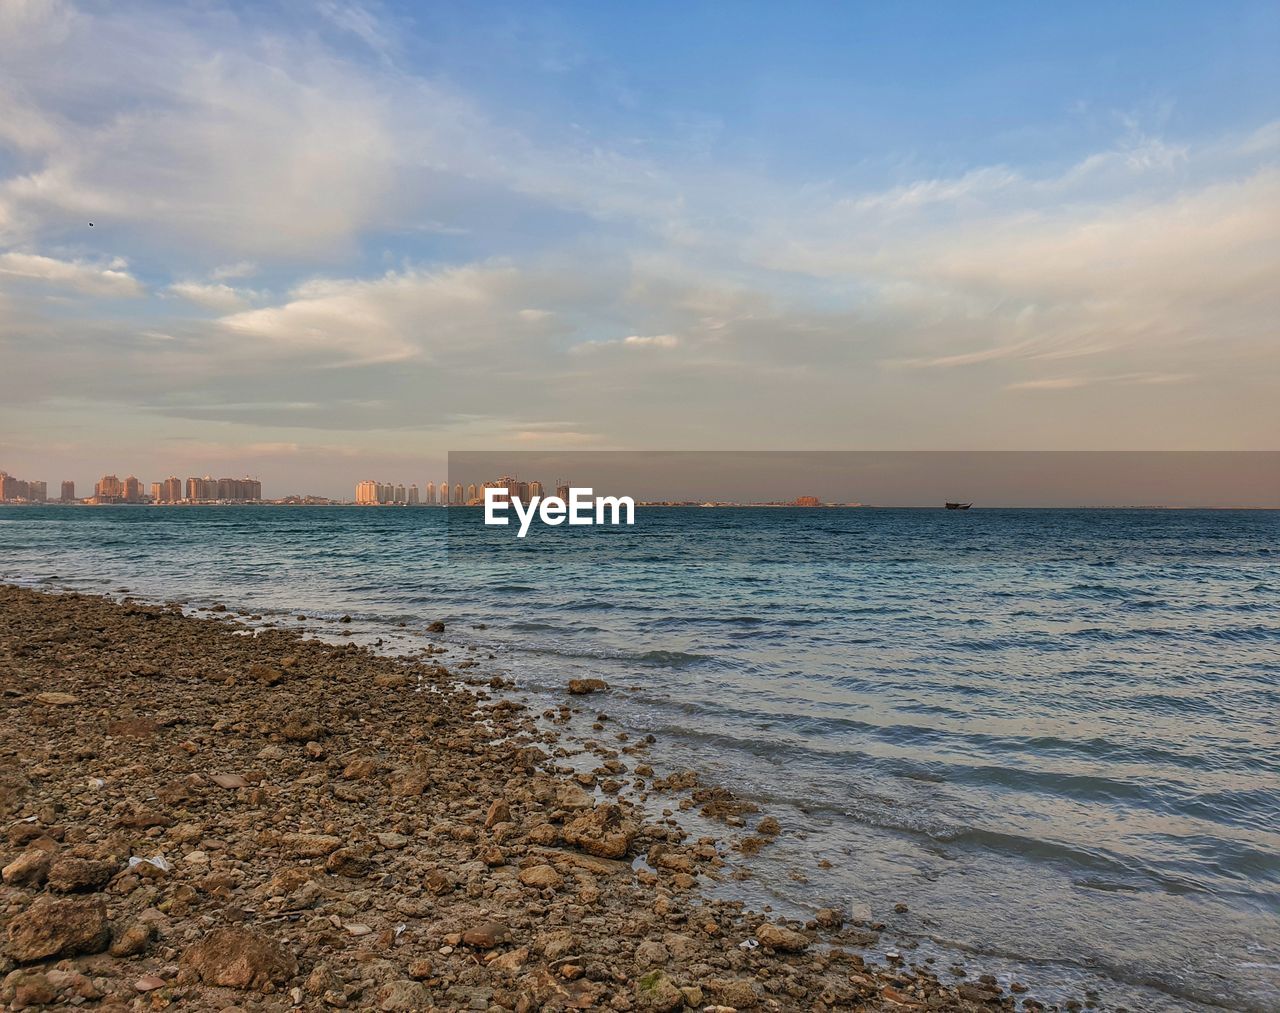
x=457, y=494
x=171, y=490
x=413, y=494
x=39, y=491
x=366, y=492
x=562, y=489
x=535, y=489
x=68, y=492
x=132, y=490
x=401, y=495
x=156, y=490
x=807, y=501
x=109, y=489
x=429, y=496
x=202, y=490
x=472, y=493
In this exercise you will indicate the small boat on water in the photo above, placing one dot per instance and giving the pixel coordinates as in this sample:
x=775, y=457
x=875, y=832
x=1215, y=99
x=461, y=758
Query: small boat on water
x=959, y=506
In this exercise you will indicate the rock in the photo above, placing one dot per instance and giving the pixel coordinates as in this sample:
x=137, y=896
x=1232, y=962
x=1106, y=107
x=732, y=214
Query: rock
x=487, y=935
x=352, y=862
x=655, y=991
x=572, y=797
x=734, y=992
x=435, y=627
x=58, y=928
x=228, y=780
x=409, y=783
x=780, y=938
x=360, y=768
x=52, y=699
x=511, y=961
x=581, y=687
x=769, y=827
x=78, y=875
x=131, y=940
x=421, y=968
x=499, y=812
x=403, y=995
x=238, y=957
x=28, y=869
x=392, y=841
x=651, y=953
x=543, y=877
x=829, y=918
x=602, y=832
x=391, y=680
x=310, y=845
x=33, y=990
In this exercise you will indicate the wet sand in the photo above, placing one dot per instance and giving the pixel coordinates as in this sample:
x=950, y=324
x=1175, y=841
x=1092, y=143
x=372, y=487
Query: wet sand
x=199, y=814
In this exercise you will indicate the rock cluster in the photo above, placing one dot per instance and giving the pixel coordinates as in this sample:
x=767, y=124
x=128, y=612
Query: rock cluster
x=197, y=818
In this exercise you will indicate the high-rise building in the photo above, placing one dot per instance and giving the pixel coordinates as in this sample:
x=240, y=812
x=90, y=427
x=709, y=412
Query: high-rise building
x=366, y=492
x=202, y=489
x=458, y=498
x=132, y=490
x=109, y=489
x=471, y=493
x=413, y=494
x=445, y=497
x=430, y=497
x=562, y=489
x=39, y=491
x=68, y=492
x=171, y=490
x=157, y=490
x=535, y=489
x=401, y=495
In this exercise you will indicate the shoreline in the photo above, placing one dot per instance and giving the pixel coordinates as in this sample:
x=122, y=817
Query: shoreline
x=333, y=828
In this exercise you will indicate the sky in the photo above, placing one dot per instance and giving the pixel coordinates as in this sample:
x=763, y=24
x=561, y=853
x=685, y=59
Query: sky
x=337, y=240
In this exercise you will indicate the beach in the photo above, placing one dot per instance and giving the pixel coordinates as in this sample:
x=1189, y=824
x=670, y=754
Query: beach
x=209, y=815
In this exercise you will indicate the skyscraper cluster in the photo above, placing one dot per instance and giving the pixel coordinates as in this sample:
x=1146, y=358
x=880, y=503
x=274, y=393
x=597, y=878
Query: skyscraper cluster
x=111, y=489
x=373, y=493
x=21, y=490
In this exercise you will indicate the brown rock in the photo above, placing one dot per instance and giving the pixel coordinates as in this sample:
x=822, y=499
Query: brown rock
x=542, y=877
x=655, y=991
x=581, y=687
x=52, y=699
x=28, y=869
x=360, y=768
x=403, y=995
x=54, y=928
x=310, y=845
x=352, y=862
x=238, y=957
x=487, y=935
x=780, y=938
x=131, y=940
x=499, y=812
x=602, y=832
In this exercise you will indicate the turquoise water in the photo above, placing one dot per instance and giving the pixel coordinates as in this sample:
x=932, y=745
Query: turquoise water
x=1055, y=735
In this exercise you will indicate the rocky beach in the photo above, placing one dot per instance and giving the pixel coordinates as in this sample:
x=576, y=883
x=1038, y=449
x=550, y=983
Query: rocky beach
x=201, y=813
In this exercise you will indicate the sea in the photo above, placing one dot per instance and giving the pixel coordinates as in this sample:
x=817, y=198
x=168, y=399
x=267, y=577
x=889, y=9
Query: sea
x=1053, y=735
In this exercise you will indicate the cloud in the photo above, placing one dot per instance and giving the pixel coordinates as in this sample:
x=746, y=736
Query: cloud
x=215, y=296
x=401, y=316
x=111, y=280
x=1127, y=379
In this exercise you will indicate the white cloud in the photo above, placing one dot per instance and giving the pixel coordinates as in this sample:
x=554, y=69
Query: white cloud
x=112, y=279
x=215, y=296
x=397, y=317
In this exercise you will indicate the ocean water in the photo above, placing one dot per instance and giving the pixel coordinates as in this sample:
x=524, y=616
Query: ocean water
x=1053, y=734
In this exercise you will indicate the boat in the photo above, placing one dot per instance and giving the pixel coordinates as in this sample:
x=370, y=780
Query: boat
x=959, y=506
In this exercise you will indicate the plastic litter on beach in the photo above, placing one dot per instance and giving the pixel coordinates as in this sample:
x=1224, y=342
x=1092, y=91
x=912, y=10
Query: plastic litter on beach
x=155, y=861
x=748, y=944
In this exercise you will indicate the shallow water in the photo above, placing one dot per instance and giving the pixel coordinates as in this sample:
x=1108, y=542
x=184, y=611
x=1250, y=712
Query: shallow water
x=1053, y=734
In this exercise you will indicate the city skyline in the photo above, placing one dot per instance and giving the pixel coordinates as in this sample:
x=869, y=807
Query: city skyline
x=326, y=242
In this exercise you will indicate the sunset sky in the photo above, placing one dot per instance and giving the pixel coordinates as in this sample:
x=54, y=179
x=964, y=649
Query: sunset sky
x=336, y=240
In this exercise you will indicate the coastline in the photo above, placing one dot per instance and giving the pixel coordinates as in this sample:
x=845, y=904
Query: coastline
x=345, y=830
